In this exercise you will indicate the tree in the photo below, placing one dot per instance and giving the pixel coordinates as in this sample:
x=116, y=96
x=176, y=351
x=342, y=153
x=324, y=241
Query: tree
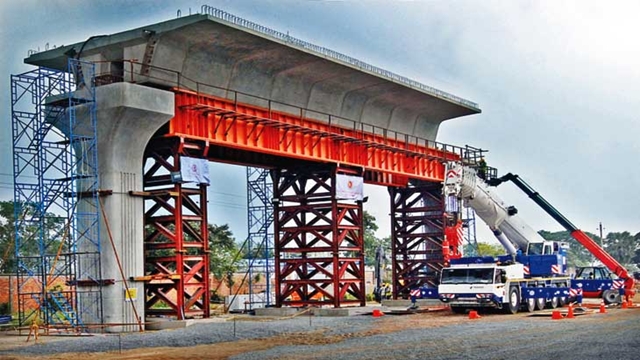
x=622, y=246
x=223, y=253
x=7, y=237
x=30, y=236
x=485, y=249
x=636, y=257
x=371, y=242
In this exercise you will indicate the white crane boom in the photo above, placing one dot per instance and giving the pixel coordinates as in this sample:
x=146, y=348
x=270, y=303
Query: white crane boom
x=462, y=182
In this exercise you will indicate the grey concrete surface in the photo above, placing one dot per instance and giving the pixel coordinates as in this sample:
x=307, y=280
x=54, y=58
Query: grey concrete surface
x=209, y=50
x=128, y=115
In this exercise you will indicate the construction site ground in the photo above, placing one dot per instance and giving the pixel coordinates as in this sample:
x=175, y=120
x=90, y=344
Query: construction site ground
x=435, y=334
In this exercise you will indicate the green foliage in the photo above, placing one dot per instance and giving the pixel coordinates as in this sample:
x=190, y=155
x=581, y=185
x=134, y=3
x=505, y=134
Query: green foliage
x=30, y=235
x=485, y=249
x=636, y=256
x=622, y=246
x=7, y=237
x=223, y=253
x=371, y=242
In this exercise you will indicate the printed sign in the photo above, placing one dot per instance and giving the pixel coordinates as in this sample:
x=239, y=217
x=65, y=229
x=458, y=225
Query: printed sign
x=194, y=170
x=131, y=294
x=349, y=187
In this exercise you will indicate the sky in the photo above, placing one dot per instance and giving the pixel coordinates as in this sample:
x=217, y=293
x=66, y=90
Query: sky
x=557, y=82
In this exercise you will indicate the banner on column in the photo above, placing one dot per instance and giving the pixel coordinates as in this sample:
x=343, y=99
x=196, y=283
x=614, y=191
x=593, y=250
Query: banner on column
x=194, y=170
x=349, y=187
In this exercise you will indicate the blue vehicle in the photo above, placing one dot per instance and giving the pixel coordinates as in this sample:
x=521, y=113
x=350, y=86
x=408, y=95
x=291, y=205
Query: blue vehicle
x=598, y=282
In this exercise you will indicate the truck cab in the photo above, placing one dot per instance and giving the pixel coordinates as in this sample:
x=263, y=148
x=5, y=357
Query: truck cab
x=598, y=282
x=483, y=283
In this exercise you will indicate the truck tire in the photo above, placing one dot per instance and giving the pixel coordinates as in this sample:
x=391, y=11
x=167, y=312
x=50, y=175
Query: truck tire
x=553, y=303
x=530, y=304
x=541, y=302
x=611, y=297
x=513, y=301
x=562, y=300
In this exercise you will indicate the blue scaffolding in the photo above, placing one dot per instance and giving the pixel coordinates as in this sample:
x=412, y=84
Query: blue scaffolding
x=469, y=223
x=260, y=246
x=56, y=207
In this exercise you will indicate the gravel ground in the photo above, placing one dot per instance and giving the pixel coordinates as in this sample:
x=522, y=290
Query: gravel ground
x=609, y=336
x=205, y=333
x=614, y=335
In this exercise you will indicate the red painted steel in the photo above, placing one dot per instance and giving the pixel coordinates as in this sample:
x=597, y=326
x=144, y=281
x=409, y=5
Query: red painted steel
x=319, y=246
x=176, y=241
x=386, y=161
x=416, y=237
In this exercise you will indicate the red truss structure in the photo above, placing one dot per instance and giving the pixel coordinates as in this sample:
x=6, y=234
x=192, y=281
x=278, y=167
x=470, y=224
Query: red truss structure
x=175, y=241
x=319, y=248
x=416, y=237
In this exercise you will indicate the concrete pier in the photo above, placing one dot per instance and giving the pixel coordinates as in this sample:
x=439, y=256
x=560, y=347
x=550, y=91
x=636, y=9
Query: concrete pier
x=128, y=115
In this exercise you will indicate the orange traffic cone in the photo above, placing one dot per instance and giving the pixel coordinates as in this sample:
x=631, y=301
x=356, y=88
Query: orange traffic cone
x=602, y=308
x=473, y=315
x=630, y=303
x=555, y=315
x=377, y=313
x=624, y=304
x=570, y=313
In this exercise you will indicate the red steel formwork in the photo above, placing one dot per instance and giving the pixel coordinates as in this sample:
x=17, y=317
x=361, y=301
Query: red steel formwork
x=417, y=235
x=318, y=240
x=388, y=158
x=319, y=258
x=175, y=242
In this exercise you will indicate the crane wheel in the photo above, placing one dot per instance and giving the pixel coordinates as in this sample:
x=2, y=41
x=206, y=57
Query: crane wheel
x=611, y=297
x=513, y=301
x=530, y=304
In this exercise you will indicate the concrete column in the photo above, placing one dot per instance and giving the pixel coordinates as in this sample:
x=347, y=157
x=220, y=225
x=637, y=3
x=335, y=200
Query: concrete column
x=128, y=115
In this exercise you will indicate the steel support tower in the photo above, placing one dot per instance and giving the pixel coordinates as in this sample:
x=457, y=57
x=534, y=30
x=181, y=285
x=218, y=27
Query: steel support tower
x=416, y=236
x=176, y=246
x=56, y=207
x=319, y=246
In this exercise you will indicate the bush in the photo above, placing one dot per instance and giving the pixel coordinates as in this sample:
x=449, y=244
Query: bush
x=5, y=309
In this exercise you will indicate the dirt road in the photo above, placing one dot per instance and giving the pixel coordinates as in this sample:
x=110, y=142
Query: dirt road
x=438, y=335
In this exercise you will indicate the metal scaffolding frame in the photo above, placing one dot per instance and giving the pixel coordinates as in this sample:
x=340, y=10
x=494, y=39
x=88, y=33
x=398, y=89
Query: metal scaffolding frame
x=56, y=209
x=260, y=234
x=319, y=246
x=417, y=233
x=469, y=224
x=176, y=246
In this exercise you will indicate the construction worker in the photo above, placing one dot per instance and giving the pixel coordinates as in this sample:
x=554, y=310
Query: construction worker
x=482, y=169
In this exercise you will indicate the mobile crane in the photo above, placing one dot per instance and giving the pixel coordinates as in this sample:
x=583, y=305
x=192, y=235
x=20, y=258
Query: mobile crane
x=609, y=289
x=533, y=274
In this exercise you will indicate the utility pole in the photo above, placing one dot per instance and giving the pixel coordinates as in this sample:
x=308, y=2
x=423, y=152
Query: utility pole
x=601, y=239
